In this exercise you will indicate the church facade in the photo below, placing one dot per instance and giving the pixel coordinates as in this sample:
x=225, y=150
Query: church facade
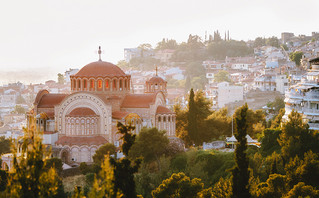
x=77, y=124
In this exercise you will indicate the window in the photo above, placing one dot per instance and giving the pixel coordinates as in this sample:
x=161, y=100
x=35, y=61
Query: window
x=99, y=84
x=164, y=119
x=74, y=84
x=169, y=119
x=92, y=84
x=121, y=86
x=159, y=118
x=106, y=84
x=114, y=84
x=84, y=84
x=79, y=84
x=125, y=83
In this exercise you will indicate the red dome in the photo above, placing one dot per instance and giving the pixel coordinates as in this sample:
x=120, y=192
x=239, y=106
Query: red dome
x=82, y=111
x=156, y=79
x=100, y=69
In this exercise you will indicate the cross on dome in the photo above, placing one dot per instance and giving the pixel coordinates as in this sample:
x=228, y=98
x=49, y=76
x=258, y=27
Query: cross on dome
x=99, y=52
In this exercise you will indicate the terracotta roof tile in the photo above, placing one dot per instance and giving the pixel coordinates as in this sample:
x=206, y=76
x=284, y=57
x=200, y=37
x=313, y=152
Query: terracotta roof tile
x=50, y=100
x=156, y=79
x=163, y=110
x=138, y=100
x=100, y=68
x=82, y=111
x=94, y=140
x=119, y=114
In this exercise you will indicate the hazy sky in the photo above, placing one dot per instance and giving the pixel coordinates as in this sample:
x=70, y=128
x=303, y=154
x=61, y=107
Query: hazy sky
x=39, y=39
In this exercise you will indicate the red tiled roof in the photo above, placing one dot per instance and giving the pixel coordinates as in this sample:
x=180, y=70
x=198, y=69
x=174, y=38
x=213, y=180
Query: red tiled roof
x=49, y=132
x=119, y=114
x=50, y=100
x=138, y=100
x=163, y=110
x=82, y=111
x=100, y=68
x=156, y=79
x=94, y=140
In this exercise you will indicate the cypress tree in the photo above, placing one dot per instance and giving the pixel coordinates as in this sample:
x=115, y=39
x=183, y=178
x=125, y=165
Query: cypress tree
x=192, y=118
x=240, y=173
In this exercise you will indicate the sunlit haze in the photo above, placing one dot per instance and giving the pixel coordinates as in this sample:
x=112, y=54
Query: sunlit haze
x=39, y=39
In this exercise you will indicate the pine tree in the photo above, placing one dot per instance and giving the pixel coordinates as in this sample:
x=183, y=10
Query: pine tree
x=240, y=173
x=191, y=118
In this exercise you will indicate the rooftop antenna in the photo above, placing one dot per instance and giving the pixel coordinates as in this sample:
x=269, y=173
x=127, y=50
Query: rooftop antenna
x=99, y=52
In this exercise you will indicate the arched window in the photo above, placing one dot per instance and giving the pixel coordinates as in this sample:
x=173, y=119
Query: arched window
x=92, y=84
x=125, y=84
x=164, y=119
x=114, y=84
x=84, y=84
x=74, y=84
x=121, y=86
x=159, y=118
x=79, y=84
x=99, y=84
x=106, y=84
x=169, y=118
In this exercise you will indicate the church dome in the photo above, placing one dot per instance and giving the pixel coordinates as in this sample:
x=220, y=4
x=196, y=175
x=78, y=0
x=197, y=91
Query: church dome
x=156, y=79
x=100, y=69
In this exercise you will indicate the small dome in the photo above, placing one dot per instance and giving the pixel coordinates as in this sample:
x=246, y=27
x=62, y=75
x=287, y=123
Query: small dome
x=156, y=79
x=82, y=111
x=100, y=69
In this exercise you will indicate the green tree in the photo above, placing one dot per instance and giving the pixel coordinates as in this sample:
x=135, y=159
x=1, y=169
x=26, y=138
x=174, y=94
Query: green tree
x=306, y=170
x=103, y=185
x=124, y=168
x=301, y=190
x=292, y=138
x=273, y=41
x=276, y=122
x=29, y=177
x=19, y=109
x=222, y=76
x=269, y=143
x=178, y=185
x=240, y=173
x=259, y=42
x=277, y=104
x=167, y=44
x=222, y=189
x=216, y=125
x=191, y=118
x=106, y=149
x=274, y=187
x=181, y=122
x=150, y=144
x=61, y=79
x=296, y=57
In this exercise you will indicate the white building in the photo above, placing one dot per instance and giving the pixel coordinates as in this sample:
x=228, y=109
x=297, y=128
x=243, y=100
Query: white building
x=224, y=93
x=68, y=73
x=304, y=97
x=241, y=66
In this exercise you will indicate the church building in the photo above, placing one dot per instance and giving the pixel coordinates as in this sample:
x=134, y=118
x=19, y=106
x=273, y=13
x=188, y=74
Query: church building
x=77, y=124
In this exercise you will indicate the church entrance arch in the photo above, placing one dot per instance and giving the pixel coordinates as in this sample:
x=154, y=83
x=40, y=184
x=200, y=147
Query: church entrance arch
x=65, y=156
